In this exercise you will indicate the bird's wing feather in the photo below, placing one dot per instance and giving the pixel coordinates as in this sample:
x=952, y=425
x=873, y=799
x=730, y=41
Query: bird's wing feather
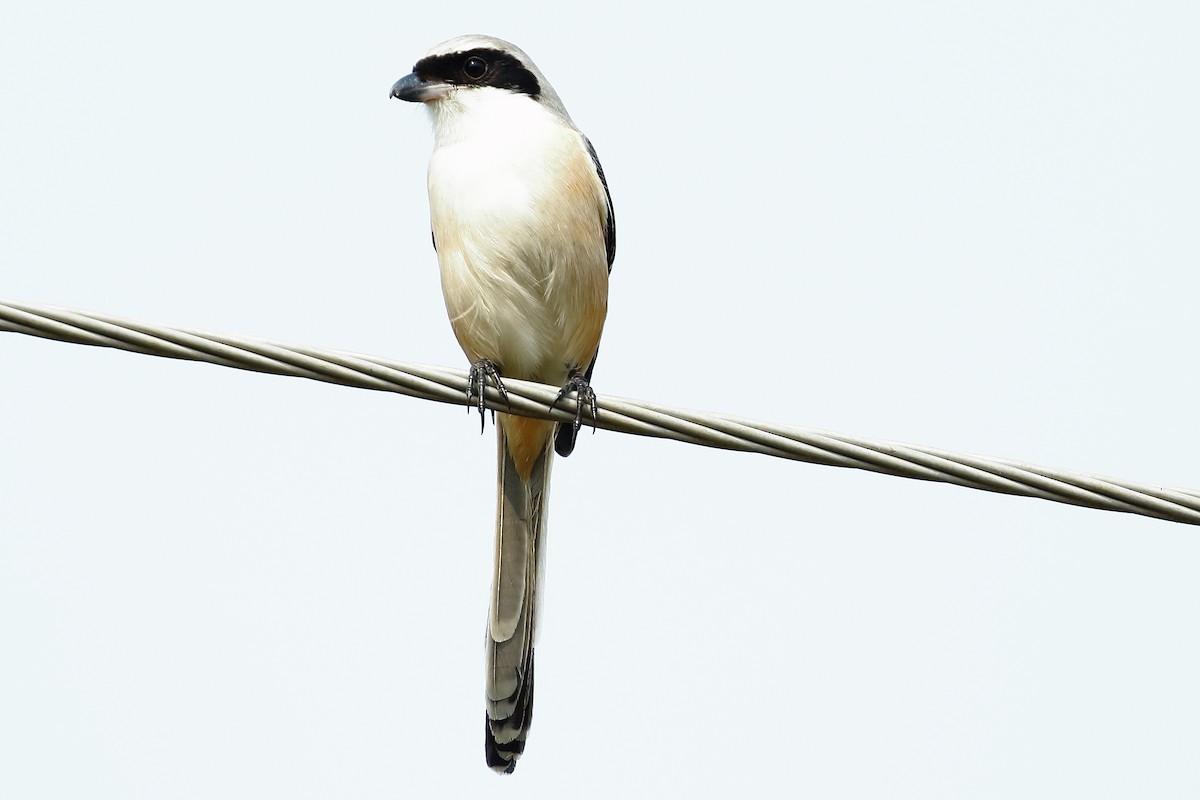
x=610, y=231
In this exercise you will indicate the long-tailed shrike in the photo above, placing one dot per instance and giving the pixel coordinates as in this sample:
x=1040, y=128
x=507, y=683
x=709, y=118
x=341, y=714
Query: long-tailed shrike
x=524, y=232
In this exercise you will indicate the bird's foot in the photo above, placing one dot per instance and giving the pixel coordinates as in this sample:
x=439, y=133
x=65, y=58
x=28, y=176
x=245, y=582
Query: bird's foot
x=585, y=400
x=481, y=371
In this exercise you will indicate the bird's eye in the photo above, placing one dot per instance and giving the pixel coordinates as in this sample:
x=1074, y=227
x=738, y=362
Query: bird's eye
x=475, y=67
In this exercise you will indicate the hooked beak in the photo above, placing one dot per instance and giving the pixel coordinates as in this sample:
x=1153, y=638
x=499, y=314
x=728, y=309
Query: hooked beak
x=415, y=90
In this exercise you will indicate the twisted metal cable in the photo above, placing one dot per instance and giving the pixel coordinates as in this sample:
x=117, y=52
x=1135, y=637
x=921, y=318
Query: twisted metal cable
x=616, y=414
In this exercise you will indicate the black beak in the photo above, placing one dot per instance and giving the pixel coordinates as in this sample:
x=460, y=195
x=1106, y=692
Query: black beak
x=415, y=90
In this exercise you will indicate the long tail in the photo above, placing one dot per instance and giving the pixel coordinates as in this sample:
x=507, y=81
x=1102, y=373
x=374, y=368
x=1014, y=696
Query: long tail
x=525, y=457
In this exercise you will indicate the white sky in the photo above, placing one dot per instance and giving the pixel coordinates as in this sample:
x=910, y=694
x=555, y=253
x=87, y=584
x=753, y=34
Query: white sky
x=972, y=226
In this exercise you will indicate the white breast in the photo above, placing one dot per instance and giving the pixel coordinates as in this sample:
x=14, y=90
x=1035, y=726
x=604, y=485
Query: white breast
x=519, y=215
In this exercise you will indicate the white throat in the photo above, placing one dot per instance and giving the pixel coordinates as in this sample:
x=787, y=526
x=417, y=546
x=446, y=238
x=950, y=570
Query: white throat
x=488, y=113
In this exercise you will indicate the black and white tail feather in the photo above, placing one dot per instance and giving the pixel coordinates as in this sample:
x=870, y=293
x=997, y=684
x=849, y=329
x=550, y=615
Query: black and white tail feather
x=516, y=588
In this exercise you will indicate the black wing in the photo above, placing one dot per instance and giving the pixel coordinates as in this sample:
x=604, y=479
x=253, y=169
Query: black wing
x=564, y=439
x=610, y=234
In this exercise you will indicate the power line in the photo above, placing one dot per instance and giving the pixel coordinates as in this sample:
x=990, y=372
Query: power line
x=615, y=414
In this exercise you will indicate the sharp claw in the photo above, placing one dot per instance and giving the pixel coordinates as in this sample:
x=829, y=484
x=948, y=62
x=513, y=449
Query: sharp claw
x=585, y=401
x=477, y=381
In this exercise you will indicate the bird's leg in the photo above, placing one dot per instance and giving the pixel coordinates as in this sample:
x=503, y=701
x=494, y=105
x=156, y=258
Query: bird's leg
x=481, y=371
x=585, y=399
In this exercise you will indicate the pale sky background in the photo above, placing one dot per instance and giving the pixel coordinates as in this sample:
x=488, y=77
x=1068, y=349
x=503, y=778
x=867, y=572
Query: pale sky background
x=972, y=226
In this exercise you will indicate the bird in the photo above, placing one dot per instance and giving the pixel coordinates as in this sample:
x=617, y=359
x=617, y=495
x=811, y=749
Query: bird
x=523, y=228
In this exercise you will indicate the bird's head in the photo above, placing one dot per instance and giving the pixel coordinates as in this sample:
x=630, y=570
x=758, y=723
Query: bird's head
x=467, y=71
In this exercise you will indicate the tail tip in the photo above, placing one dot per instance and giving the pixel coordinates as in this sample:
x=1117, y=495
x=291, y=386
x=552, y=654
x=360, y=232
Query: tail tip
x=501, y=758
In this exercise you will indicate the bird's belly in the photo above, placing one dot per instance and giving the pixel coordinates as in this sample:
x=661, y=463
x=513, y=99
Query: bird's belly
x=523, y=271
